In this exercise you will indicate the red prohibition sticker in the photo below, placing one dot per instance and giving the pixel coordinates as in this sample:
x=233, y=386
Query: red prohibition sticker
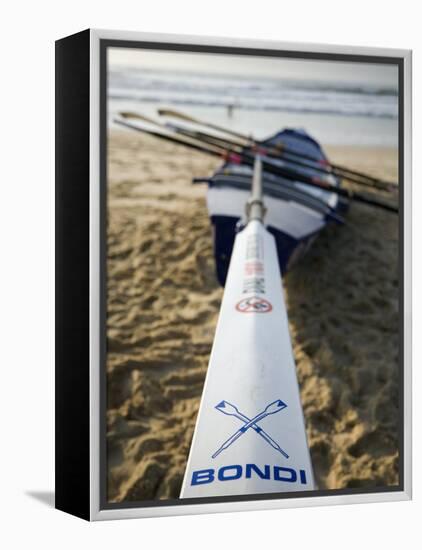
x=254, y=305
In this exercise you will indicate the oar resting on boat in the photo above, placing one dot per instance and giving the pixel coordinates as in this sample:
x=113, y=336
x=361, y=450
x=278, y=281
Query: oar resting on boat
x=250, y=433
x=284, y=151
x=296, y=211
x=270, y=165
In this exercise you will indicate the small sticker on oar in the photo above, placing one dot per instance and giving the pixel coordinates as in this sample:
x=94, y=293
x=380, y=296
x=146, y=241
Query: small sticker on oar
x=254, y=305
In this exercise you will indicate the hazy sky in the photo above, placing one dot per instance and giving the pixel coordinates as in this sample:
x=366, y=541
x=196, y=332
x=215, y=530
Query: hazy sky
x=380, y=75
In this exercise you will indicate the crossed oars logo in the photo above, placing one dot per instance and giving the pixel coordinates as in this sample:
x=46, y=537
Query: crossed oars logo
x=231, y=410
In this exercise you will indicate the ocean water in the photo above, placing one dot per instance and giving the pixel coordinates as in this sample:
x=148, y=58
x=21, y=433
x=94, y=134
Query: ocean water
x=346, y=114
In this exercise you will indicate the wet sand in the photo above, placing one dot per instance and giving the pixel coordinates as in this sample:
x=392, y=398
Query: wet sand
x=163, y=303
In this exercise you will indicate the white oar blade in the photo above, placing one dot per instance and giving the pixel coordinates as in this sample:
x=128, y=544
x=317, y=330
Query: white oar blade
x=252, y=369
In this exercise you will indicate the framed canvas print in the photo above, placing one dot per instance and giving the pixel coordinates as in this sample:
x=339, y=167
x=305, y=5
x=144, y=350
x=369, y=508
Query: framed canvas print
x=233, y=303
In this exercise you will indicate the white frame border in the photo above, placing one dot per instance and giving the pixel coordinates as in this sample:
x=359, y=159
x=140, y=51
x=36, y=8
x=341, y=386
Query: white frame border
x=175, y=510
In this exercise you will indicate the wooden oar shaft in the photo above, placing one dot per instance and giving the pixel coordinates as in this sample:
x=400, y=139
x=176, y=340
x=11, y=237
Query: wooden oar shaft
x=182, y=116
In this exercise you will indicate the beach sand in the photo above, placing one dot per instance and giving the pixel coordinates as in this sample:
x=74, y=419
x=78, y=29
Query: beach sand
x=163, y=303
